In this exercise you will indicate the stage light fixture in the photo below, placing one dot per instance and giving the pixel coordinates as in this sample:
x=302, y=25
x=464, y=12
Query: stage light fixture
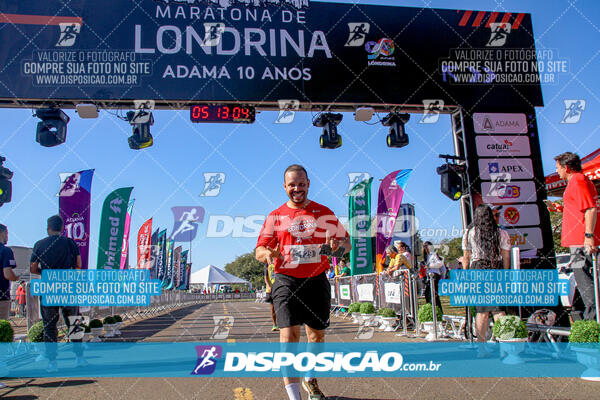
x=452, y=180
x=140, y=120
x=397, y=136
x=329, y=122
x=52, y=129
x=5, y=183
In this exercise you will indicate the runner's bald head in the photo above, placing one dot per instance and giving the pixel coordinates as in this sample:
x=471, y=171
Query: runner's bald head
x=295, y=168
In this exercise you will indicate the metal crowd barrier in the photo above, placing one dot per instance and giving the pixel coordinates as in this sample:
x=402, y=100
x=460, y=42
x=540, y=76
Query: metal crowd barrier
x=167, y=301
x=398, y=292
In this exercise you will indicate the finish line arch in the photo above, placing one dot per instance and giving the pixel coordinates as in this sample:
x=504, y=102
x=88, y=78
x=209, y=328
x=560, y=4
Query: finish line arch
x=481, y=67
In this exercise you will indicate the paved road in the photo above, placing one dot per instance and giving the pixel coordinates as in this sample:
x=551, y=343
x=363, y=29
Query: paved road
x=252, y=323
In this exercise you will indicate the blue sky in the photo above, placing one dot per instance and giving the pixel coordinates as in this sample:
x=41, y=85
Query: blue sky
x=253, y=157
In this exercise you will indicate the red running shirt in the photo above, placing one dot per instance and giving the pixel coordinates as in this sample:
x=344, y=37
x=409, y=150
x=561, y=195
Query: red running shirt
x=579, y=195
x=300, y=233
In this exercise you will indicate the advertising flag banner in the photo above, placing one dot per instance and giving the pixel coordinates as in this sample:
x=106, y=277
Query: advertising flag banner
x=359, y=205
x=112, y=228
x=389, y=200
x=188, y=274
x=154, y=254
x=144, y=245
x=183, y=270
x=161, y=260
x=125, y=247
x=74, y=200
x=175, y=279
x=169, y=264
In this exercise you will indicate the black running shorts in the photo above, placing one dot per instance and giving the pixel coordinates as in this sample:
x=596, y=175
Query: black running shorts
x=300, y=301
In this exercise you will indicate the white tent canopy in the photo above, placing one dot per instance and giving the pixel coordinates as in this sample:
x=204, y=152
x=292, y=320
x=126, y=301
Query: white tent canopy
x=211, y=275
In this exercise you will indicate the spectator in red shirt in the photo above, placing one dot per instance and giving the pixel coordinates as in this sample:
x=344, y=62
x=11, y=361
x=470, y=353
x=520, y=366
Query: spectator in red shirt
x=293, y=238
x=580, y=225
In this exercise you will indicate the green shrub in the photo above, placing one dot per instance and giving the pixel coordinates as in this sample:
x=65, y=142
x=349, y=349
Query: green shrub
x=108, y=321
x=6, y=331
x=87, y=328
x=386, y=312
x=354, y=307
x=425, y=313
x=118, y=318
x=95, y=323
x=36, y=332
x=367, y=308
x=510, y=327
x=585, y=332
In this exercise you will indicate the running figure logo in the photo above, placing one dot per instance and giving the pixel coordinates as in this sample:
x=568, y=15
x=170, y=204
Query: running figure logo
x=500, y=32
x=358, y=33
x=77, y=325
x=212, y=183
x=223, y=325
x=573, y=111
x=68, y=34
x=287, y=111
x=355, y=178
x=431, y=111
x=185, y=226
x=207, y=359
x=213, y=31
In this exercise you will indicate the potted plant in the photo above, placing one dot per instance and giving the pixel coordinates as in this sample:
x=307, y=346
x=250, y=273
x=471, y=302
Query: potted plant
x=425, y=315
x=36, y=332
x=109, y=325
x=388, y=318
x=95, y=330
x=354, y=310
x=6, y=336
x=87, y=332
x=585, y=341
x=367, y=312
x=118, y=323
x=511, y=332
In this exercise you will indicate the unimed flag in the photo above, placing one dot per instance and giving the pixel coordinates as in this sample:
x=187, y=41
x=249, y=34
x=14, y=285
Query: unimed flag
x=74, y=208
x=389, y=200
x=144, y=246
x=359, y=205
x=112, y=228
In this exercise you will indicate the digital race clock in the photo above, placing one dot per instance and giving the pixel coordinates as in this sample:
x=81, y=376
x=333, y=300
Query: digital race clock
x=222, y=113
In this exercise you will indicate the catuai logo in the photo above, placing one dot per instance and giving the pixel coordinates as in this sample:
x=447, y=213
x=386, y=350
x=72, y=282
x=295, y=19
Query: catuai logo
x=207, y=359
x=511, y=215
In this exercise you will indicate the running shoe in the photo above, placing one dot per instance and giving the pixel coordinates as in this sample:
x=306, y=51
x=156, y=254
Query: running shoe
x=274, y=328
x=312, y=388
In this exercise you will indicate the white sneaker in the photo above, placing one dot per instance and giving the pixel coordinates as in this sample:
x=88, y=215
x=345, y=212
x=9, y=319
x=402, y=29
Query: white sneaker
x=82, y=362
x=52, y=367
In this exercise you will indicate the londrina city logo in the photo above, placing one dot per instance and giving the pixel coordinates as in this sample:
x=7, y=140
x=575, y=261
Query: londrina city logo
x=207, y=359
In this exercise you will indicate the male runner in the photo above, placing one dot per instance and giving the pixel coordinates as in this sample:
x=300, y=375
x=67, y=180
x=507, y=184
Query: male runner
x=292, y=238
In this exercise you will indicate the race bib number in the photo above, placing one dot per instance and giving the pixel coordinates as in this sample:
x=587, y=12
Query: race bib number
x=304, y=254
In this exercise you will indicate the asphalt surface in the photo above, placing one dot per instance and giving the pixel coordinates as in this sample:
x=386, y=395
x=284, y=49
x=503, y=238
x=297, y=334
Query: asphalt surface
x=252, y=323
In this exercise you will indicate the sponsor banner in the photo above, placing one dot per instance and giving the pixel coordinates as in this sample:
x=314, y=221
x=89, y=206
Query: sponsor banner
x=144, y=245
x=359, y=212
x=509, y=168
x=264, y=50
x=508, y=192
x=519, y=215
x=526, y=238
x=330, y=359
x=112, y=228
x=389, y=201
x=183, y=270
x=499, y=123
x=74, y=200
x=161, y=259
x=365, y=288
x=503, y=146
x=365, y=292
x=125, y=252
